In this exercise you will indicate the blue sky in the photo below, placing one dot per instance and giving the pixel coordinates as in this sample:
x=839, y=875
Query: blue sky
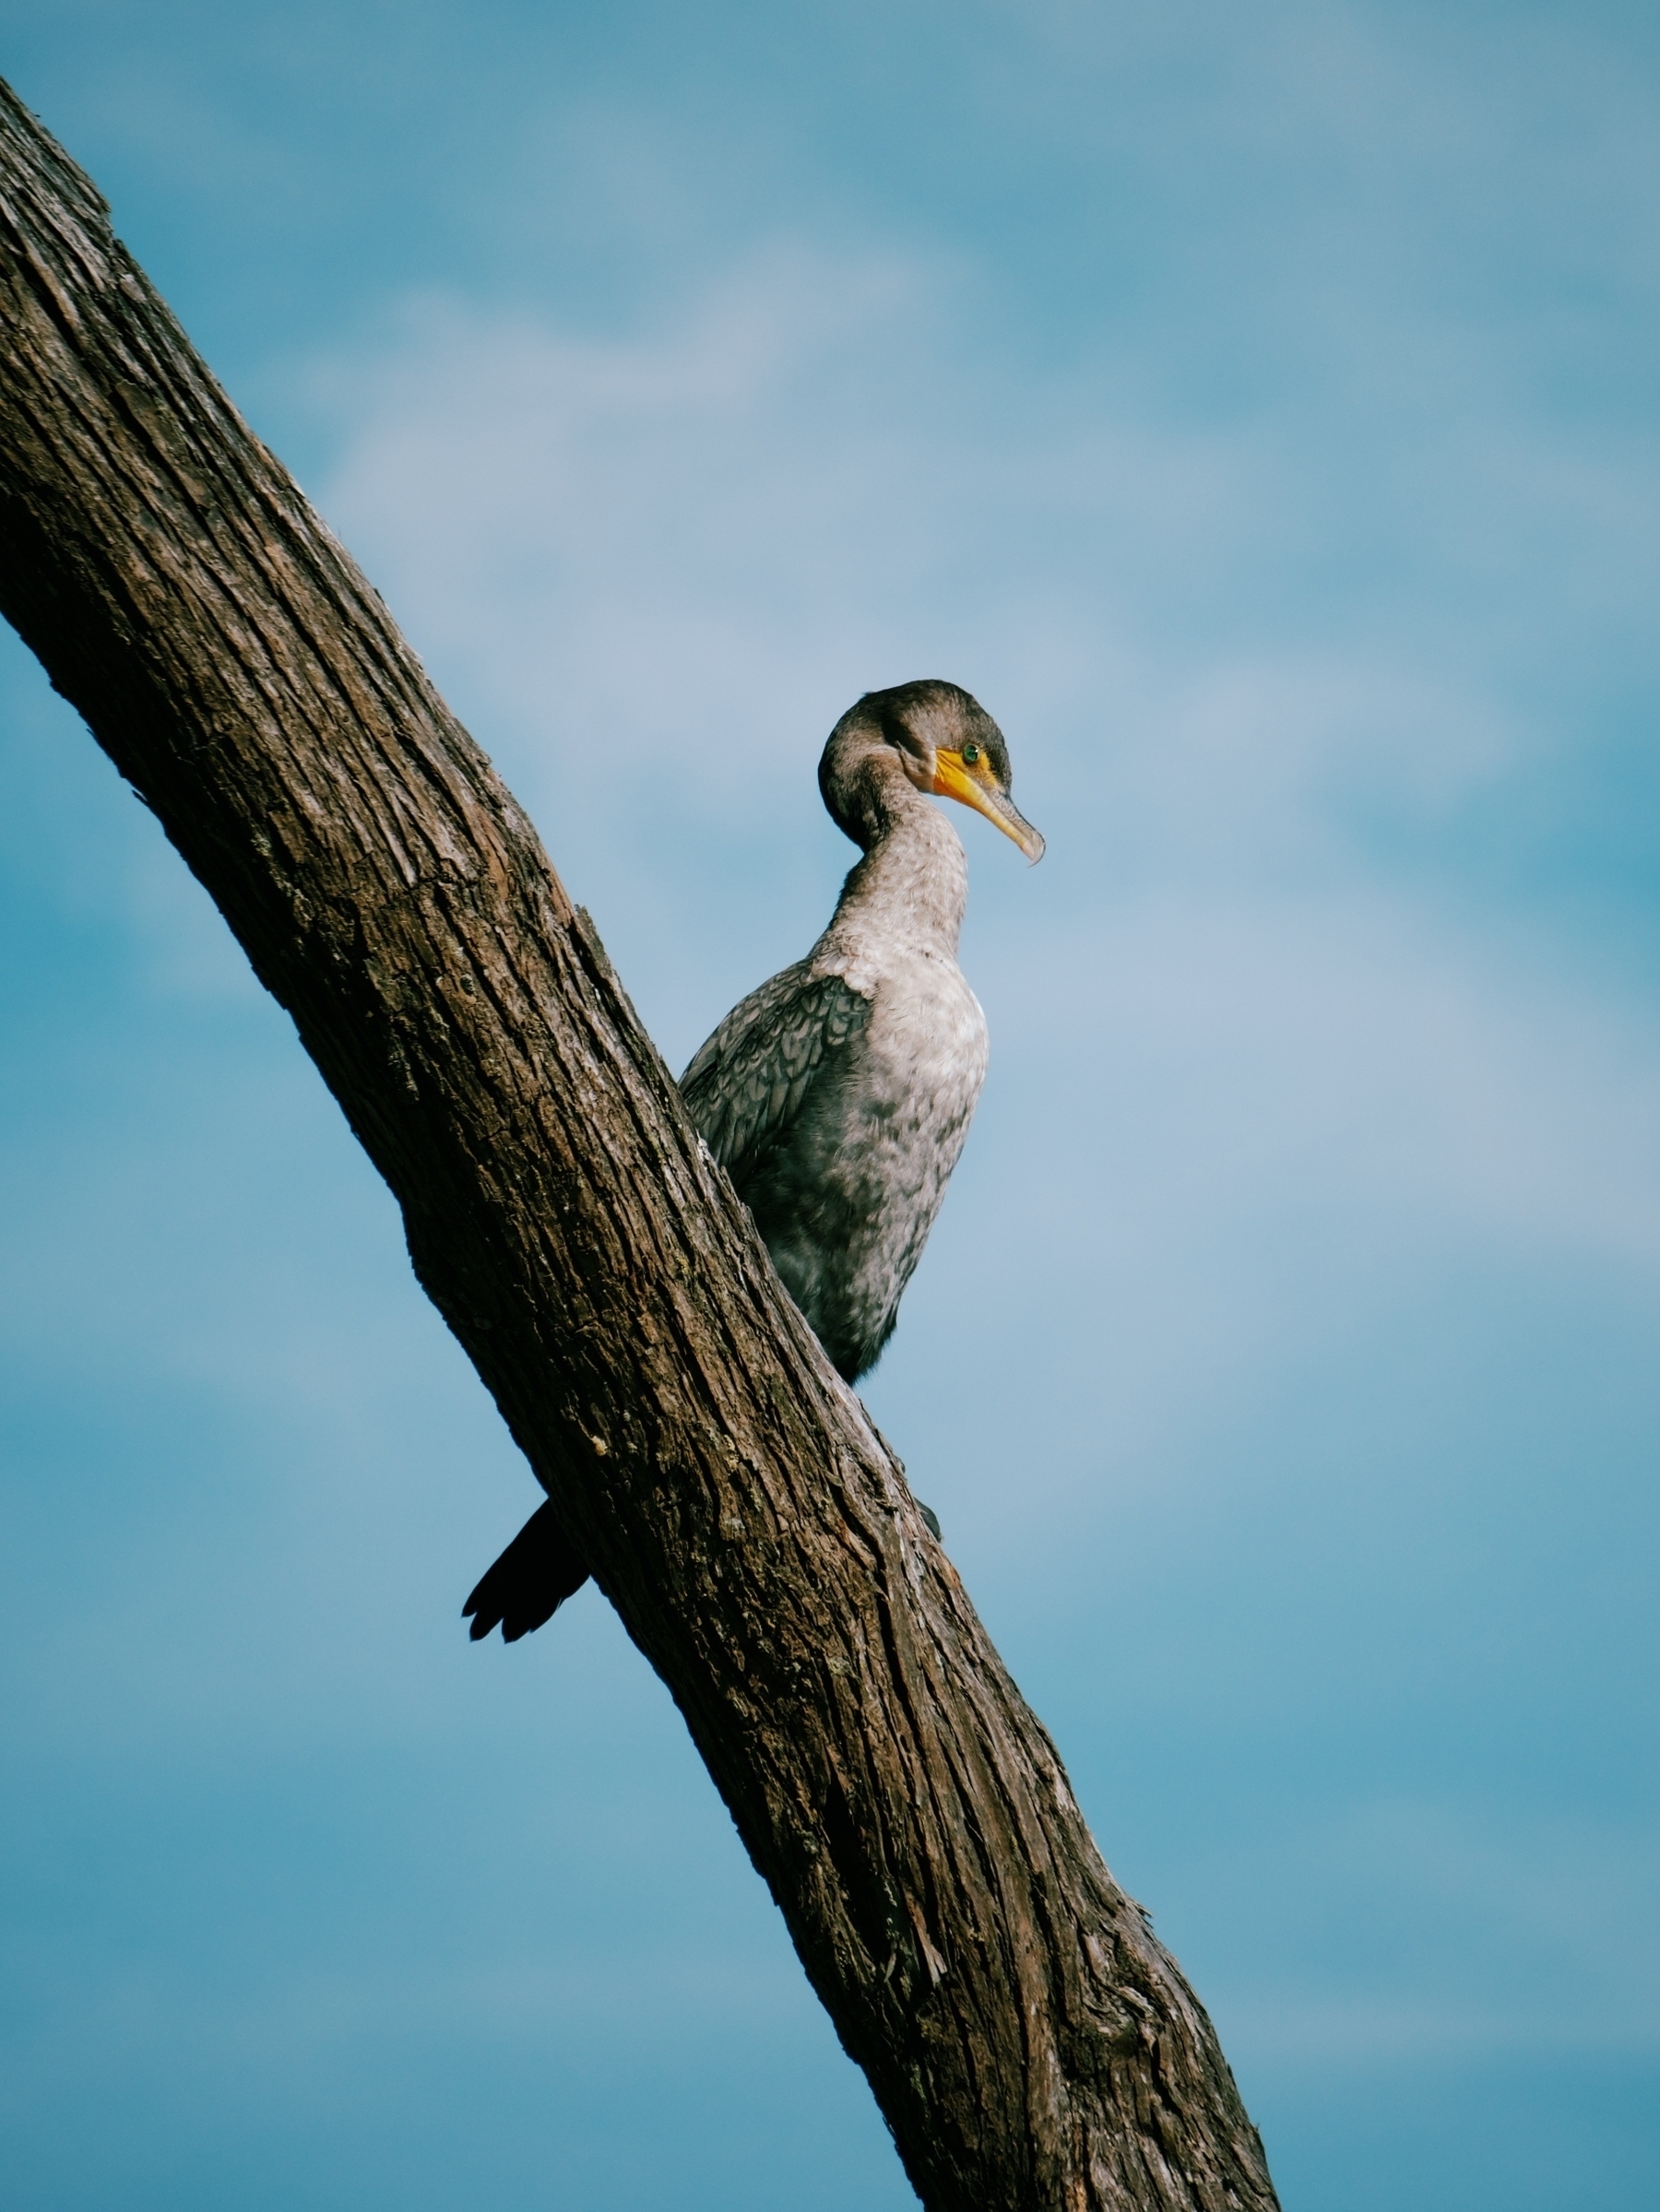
x=1254, y=407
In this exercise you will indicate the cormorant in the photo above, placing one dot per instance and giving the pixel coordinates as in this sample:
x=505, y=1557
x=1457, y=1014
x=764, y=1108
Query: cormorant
x=838, y=1095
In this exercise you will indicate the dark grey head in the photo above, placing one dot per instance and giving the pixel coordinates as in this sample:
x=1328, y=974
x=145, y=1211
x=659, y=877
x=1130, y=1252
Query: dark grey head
x=945, y=741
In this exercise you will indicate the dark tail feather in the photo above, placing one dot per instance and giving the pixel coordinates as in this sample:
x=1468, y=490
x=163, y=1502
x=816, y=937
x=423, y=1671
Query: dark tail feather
x=529, y=1583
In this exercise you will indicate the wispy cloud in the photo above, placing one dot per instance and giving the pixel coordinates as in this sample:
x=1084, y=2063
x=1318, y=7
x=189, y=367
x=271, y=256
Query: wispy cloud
x=656, y=566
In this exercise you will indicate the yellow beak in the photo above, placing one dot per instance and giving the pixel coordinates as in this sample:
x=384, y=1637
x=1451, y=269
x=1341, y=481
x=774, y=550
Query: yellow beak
x=974, y=788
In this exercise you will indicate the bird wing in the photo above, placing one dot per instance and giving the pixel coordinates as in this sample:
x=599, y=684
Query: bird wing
x=751, y=1080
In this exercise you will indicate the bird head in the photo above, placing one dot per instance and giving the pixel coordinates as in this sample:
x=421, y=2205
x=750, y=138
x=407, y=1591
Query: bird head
x=948, y=745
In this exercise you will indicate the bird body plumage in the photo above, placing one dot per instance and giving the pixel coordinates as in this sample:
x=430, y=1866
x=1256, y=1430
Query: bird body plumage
x=837, y=1095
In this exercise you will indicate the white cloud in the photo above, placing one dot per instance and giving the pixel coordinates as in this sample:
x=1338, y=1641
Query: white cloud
x=664, y=562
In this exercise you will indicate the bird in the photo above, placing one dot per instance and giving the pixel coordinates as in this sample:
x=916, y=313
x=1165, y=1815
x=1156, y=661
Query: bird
x=837, y=1095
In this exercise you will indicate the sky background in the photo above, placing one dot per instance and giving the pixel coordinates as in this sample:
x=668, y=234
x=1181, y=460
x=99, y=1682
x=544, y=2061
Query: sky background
x=1255, y=407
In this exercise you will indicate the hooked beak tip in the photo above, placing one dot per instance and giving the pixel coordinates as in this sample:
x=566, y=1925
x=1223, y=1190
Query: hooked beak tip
x=952, y=780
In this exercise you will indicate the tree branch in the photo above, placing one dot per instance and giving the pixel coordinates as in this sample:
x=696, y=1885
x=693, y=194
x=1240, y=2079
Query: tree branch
x=1030, y=2043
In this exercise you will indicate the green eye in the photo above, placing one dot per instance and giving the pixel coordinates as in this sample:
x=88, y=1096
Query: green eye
x=970, y=753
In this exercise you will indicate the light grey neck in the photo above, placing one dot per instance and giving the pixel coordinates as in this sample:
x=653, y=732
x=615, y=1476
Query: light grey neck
x=910, y=893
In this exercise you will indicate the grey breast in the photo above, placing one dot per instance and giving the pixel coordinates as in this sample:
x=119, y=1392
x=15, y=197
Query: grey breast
x=840, y=1114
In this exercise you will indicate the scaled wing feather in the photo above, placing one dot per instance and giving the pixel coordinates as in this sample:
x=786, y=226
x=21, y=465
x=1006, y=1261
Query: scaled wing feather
x=749, y=1083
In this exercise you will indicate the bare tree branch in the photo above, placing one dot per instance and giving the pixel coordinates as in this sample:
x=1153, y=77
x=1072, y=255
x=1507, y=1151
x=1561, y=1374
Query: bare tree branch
x=1030, y=2043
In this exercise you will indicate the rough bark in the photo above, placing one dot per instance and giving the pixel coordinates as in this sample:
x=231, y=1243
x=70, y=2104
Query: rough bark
x=1029, y=2041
